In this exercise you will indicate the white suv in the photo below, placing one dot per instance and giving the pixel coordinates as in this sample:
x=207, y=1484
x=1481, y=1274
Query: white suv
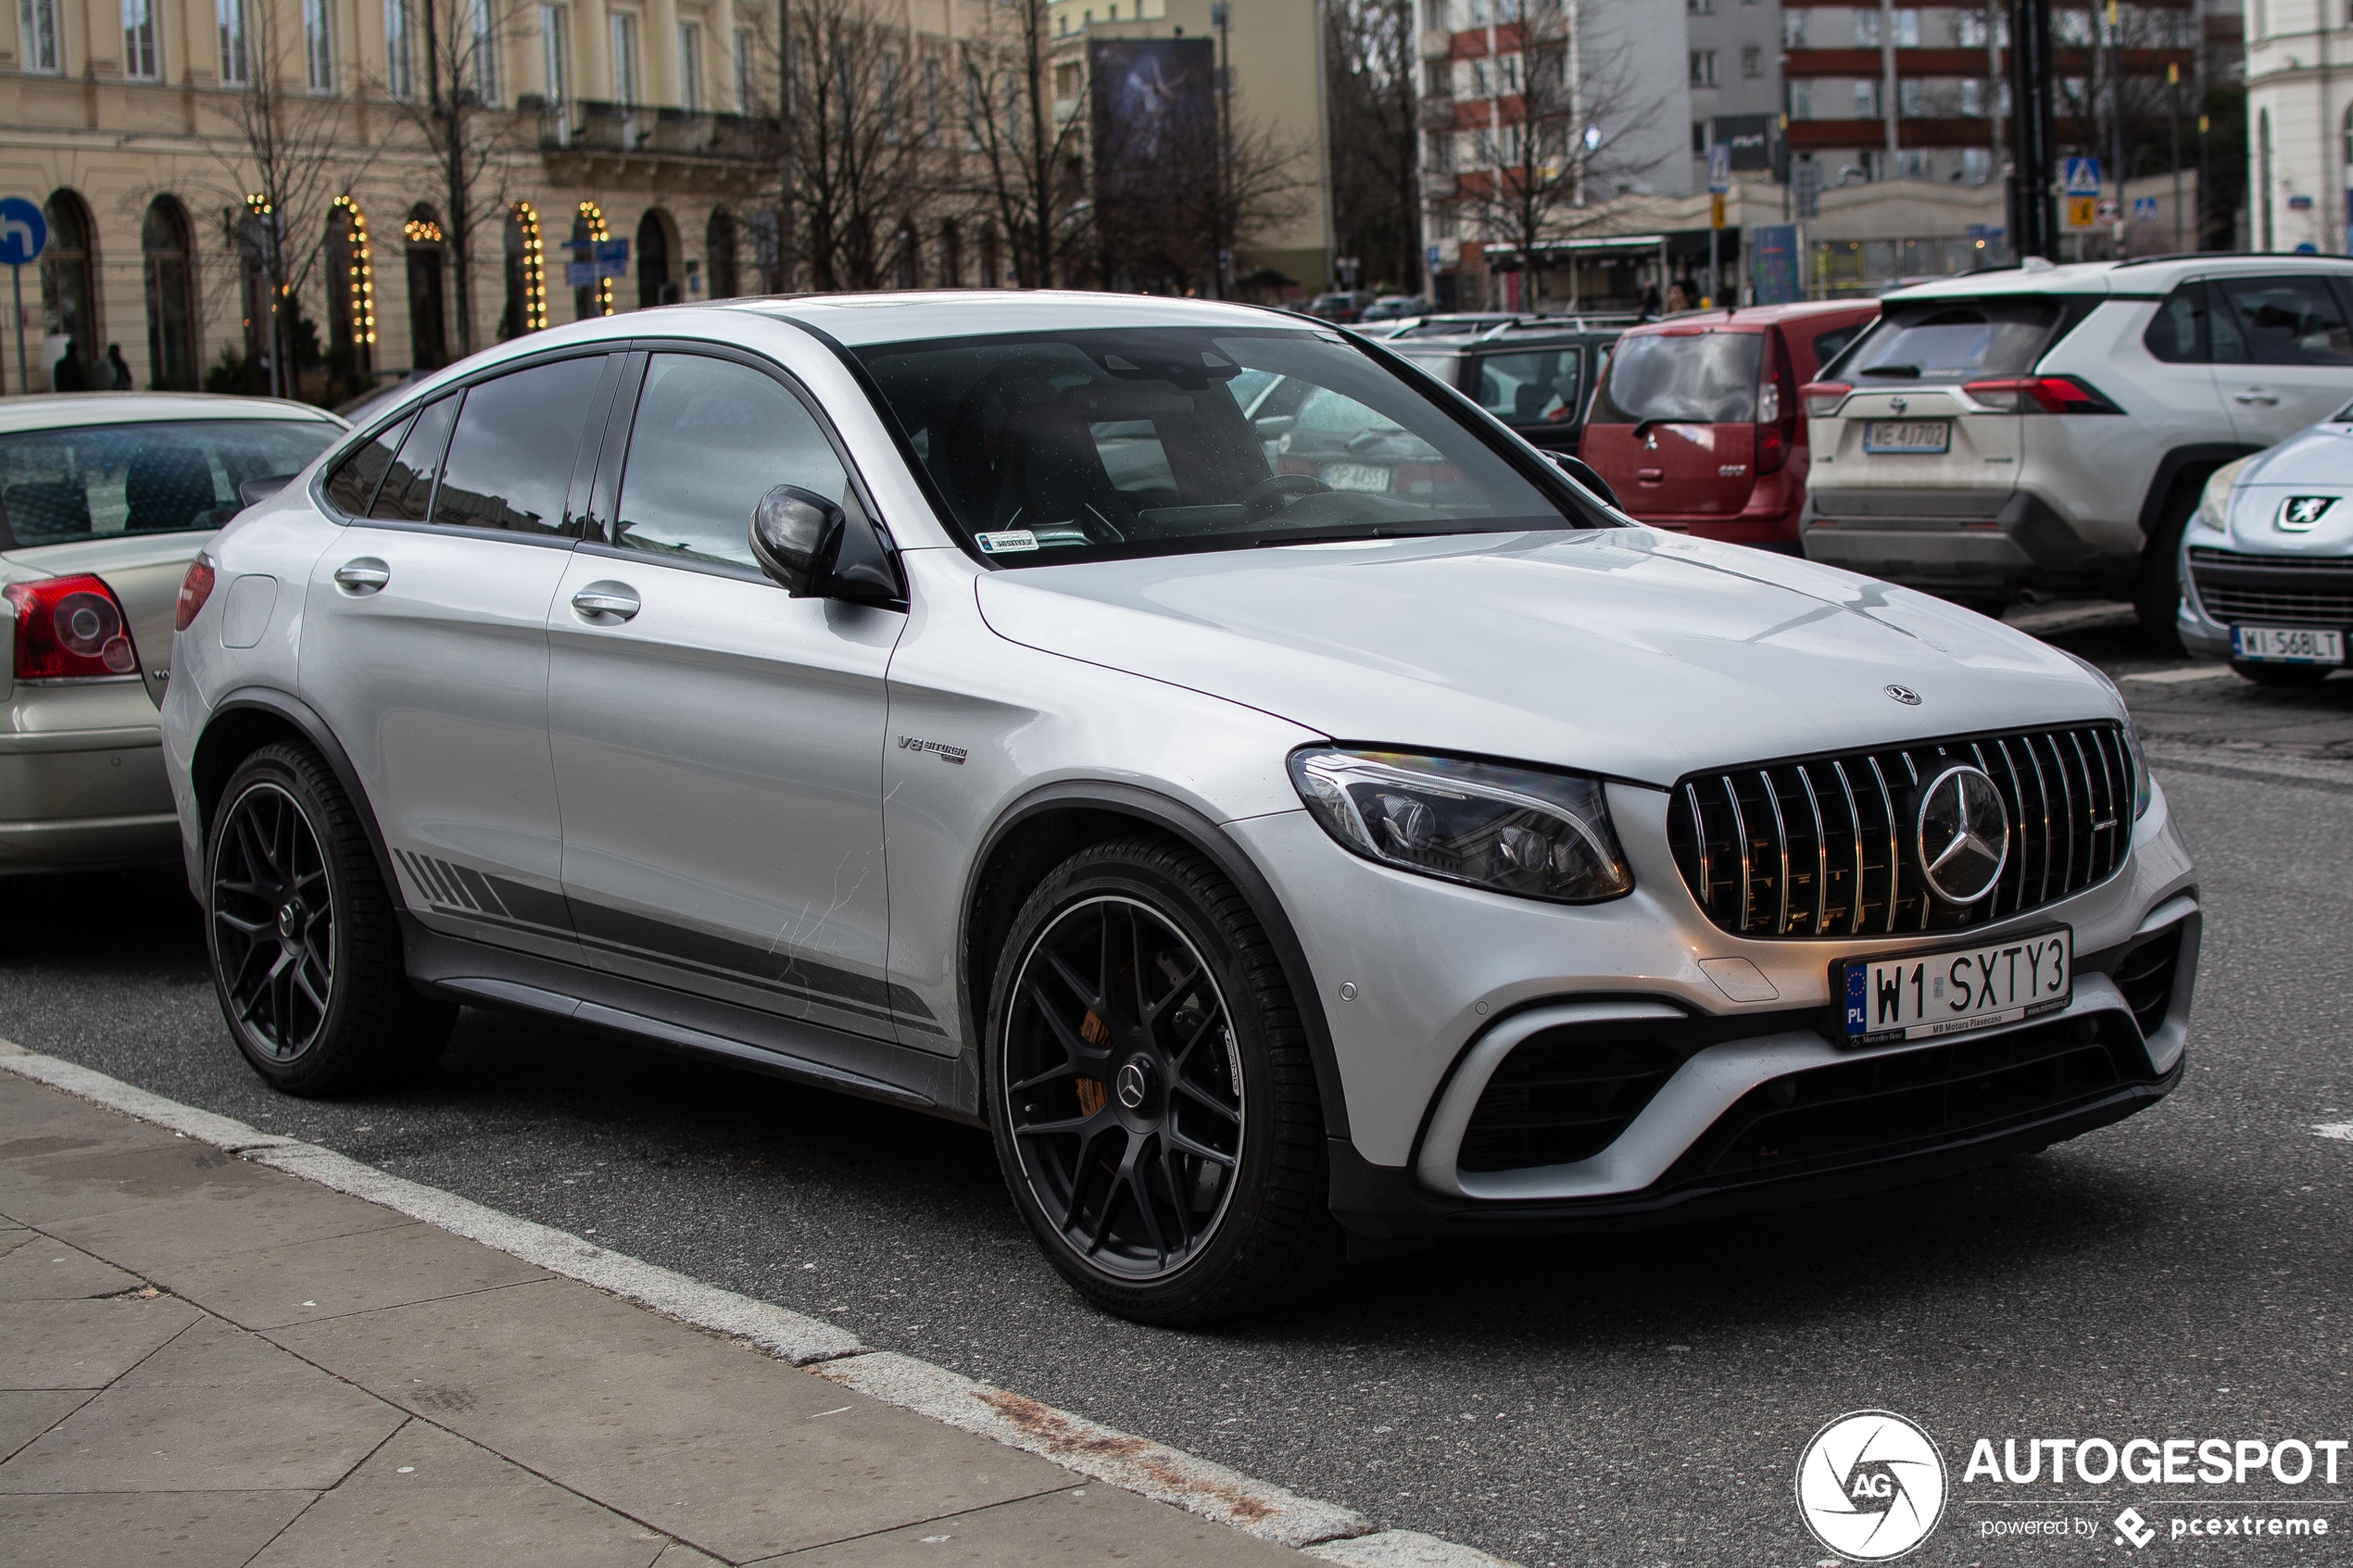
x=2053, y=427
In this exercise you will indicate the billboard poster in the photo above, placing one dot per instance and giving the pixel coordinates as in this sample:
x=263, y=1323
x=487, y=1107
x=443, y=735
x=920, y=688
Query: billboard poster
x=1154, y=110
x=1772, y=263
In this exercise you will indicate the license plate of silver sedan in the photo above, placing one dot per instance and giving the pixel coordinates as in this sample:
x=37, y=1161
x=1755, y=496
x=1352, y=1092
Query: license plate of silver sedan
x=1907, y=435
x=1957, y=990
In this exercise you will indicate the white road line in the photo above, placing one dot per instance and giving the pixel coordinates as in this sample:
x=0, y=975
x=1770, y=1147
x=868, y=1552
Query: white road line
x=2341, y=1131
x=1137, y=1464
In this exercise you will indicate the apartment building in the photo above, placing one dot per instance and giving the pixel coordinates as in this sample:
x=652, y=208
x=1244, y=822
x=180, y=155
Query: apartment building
x=1732, y=63
x=2299, y=123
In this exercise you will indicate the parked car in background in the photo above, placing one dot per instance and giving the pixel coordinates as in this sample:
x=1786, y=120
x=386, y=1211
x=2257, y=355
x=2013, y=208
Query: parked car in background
x=1394, y=308
x=105, y=498
x=1536, y=373
x=1698, y=427
x=2054, y=427
x=2266, y=560
x=1341, y=306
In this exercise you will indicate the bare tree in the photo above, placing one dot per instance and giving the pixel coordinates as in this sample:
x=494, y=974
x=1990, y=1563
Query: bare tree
x=443, y=80
x=1572, y=116
x=1376, y=146
x=282, y=164
x=852, y=164
x=1023, y=164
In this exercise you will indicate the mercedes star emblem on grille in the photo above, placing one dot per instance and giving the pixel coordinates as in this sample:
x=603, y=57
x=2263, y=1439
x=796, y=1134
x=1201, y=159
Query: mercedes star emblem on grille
x=2301, y=514
x=1964, y=834
x=1906, y=696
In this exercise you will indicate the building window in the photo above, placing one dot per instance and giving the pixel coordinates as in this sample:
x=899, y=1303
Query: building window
x=1907, y=29
x=1434, y=14
x=690, y=68
x=1438, y=79
x=1703, y=68
x=1972, y=98
x=1977, y=166
x=1911, y=163
x=1970, y=28
x=1801, y=100
x=1911, y=102
x=317, y=46
x=1438, y=151
x=236, y=64
x=399, y=78
x=169, y=241
x=139, y=61
x=1867, y=100
x=1699, y=138
x=2074, y=27
x=1793, y=27
x=1866, y=28
x=624, y=57
x=486, y=52
x=38, y=21
x=554, y=51
x=1752, y=62
x=743, y=70
x=1699, y=8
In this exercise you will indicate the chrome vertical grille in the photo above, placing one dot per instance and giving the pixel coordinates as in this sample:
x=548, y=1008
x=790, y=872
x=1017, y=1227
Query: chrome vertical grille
x=1826, y=847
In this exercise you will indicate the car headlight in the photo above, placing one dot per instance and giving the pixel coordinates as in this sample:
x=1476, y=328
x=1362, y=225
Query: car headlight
x=2143, y=788
x=1522, y=830
x=2214, y=502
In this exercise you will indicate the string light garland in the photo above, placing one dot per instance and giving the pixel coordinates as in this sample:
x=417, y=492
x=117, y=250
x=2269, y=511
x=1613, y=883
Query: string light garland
x=535, y=269
x=362, y=279
x=594, y=216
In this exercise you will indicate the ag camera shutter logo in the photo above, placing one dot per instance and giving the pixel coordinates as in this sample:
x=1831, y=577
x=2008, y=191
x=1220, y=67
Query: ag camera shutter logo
x=1870, y=1485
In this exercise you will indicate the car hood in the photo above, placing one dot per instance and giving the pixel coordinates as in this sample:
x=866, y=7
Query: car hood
x=1629, y=652
x=2317, y=462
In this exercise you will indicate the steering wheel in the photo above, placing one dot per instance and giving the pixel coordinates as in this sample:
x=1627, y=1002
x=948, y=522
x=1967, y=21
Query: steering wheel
x=1266, y=497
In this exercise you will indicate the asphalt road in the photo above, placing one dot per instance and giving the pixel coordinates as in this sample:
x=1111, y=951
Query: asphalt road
x=1633, y=1400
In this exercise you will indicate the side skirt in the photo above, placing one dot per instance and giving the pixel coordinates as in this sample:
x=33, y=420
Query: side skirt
x=481, y=975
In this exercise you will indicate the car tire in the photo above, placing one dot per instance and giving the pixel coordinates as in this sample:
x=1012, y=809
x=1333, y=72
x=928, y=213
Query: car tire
x=2283, y=676
x=301, y=938
x=2156, y=594
x=1162, y=1186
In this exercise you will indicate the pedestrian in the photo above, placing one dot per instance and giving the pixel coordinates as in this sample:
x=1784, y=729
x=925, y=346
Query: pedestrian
x=1679, y=298
x=68, y=375
x=1650, y=303
x=115, y=369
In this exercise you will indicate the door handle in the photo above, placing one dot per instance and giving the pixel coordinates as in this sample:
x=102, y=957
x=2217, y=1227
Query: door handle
x=598, y=600
x=2255, y=395
x=363, y=576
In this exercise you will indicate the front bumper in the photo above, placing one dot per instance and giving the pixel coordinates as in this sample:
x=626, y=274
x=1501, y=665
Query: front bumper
x=1444, y=983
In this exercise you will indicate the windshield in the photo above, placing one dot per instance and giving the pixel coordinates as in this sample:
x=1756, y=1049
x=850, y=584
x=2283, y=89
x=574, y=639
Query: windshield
x=1055, y=447
x=1953, y=342
x=94, y=482
x=1706, y=378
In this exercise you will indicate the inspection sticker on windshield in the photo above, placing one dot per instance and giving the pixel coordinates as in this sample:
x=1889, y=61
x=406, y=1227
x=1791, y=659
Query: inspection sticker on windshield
x=1921, y=996
x=1907, y=435
x=1010, y=541
x=2287, y=645
x=1356, y=476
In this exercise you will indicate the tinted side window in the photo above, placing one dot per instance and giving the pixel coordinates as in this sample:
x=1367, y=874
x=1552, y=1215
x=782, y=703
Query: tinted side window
x=353, y=485
x=1829, y=345
x=407, y=486
x=1527, y=389
x=2287, y=320
x=2178, y=335
x=711, y=438
x=510, y=461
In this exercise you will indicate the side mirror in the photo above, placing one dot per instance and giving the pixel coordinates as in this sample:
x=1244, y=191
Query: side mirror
x=815, y=550
x=792, y=531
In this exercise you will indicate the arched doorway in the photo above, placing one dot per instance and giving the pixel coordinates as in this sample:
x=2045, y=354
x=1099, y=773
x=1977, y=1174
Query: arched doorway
x=592, y=299
x=351, y=299
x=654, y=285
x=719, y=247
x=168, y=246
x=69, y=296
x=951, y=256
x=526, y=274
x=428, y=313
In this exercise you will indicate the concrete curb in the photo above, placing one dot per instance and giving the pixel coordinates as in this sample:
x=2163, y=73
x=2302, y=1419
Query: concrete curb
x=1137, y=1464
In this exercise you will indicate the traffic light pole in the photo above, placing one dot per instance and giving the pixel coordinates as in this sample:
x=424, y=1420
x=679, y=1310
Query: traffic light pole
x=2033, y=214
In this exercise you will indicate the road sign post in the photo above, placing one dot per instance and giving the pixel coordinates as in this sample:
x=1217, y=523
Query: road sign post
x=24, y=234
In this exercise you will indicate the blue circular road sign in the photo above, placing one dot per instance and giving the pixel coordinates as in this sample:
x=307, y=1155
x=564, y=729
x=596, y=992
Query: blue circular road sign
x=24, y=231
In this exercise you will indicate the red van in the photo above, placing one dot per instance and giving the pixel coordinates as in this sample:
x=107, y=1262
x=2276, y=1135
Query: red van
x=1698, y=425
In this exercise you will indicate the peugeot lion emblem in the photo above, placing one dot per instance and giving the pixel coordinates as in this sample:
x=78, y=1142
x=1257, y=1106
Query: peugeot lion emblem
x=1906, y=696
x=1964, y=834
x=2301, y=514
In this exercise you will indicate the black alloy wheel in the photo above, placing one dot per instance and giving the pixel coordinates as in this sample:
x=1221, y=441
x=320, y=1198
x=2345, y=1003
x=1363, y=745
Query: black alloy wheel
x=272, y=921
x=299, y=926
x=1147, y=1081
x=1123, y=1088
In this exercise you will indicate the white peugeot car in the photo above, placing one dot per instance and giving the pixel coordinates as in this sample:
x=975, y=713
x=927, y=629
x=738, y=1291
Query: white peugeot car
x=2267, y=563
x=953, y=699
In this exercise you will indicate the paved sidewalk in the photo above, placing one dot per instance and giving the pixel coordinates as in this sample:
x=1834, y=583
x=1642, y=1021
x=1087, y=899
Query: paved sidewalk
x=203, y=1360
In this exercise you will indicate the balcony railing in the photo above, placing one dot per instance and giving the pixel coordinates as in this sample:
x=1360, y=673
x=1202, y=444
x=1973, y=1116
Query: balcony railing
x=591, y=126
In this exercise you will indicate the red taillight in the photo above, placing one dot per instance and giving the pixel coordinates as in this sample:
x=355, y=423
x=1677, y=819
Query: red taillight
x=2039, y=394
x=1776, y=410
x=70, y=629
x=194, y=589
x=1823, y=397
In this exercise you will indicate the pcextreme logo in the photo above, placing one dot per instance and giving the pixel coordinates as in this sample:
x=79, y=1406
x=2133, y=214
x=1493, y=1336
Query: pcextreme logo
x=1870, y=1485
